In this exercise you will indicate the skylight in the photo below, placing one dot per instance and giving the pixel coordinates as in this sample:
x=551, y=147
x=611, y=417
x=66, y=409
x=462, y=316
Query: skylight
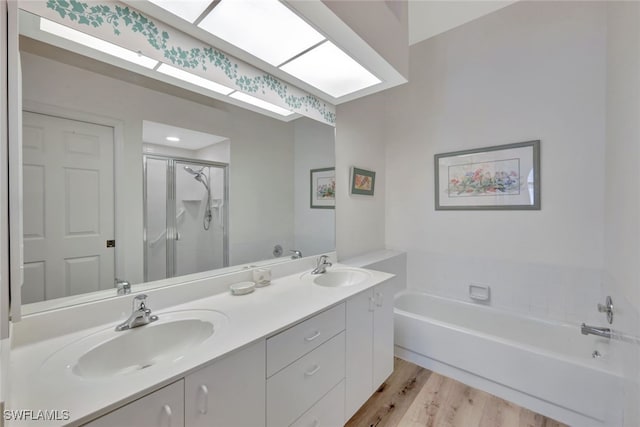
x=240, y=96
x=329, y=69
x=266, y=29
x=96, y=43
x=194, y=79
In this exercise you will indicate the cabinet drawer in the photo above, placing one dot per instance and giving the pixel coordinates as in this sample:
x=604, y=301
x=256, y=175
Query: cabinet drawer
x=328, y=412
x=164, y=407
x=289, y=345
x=296, y=388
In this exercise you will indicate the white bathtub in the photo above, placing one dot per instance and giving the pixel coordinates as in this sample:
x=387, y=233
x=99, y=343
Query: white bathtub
x=544, y=366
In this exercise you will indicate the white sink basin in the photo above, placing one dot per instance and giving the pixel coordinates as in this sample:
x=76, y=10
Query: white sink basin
x=340, y=277
x=109, y=353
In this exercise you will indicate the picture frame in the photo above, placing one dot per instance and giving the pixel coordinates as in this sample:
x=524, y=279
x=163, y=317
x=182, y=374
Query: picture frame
x=323, y=188
x=362, y=181
x=501, y=177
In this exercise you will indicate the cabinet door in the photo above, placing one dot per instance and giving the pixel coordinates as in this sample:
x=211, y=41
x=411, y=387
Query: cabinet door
x=359, y=347
x=163, y=408
x=230, y=392
x=382, y=333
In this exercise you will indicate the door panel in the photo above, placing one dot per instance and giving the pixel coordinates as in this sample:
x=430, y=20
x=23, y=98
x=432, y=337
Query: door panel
x=34, y=202
x=69, y=207
x=383, y=332
x=360, y=309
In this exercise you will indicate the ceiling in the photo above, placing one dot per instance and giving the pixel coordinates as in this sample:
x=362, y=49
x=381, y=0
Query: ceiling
x=429, y=18
x=157, y=133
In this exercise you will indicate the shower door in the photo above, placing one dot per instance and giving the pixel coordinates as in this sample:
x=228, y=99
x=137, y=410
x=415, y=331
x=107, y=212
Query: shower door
x=186, y=205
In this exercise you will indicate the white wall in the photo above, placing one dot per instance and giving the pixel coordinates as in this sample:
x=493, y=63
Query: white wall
x=219, y=152
x=622, y=194
x=261, y=182
x=533, y=70
x=360, y=142
x=383, y=25
x=315, y=229
x=261, y=178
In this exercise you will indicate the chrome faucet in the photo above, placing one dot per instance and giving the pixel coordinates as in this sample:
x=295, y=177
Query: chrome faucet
x=141, y=315
x=594, y=330
x=321, y=266
x=296, y=254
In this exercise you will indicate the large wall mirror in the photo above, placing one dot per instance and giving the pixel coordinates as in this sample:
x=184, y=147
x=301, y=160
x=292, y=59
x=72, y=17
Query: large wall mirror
x=127, y=177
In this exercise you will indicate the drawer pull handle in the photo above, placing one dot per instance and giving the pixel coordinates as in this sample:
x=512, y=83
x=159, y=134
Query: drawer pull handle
x=167, y=411
x=312, y=337
x=205, y=401
x=312, y=372
x=372, y=304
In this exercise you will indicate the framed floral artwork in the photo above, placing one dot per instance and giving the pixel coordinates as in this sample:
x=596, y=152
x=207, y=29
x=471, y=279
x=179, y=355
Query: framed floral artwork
x=362, y=181
x=503, y=177
x=323, y=188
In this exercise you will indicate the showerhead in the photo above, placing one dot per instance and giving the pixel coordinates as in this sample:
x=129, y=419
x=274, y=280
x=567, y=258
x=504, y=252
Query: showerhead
x=202, y=178
x=198, y=175
x=192, y=172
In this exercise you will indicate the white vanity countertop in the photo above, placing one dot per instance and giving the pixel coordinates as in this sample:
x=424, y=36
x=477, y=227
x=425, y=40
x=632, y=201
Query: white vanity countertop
x=287, y=301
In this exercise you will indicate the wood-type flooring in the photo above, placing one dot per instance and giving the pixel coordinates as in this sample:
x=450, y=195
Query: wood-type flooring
x=416, y=397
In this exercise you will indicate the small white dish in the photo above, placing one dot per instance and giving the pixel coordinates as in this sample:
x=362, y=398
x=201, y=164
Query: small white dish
x=242, y=288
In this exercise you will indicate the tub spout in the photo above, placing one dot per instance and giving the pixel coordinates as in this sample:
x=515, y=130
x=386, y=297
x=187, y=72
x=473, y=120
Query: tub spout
x=593, y=330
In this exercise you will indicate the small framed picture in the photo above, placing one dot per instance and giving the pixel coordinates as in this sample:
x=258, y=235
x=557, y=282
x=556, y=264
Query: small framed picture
x=323, y=188
x=502, y=177
x=362, y=181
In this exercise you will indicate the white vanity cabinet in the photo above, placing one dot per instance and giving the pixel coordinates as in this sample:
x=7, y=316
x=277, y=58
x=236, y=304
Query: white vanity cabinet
x=229, y=392
x=317, y=372
x=306, y=364
x=162, y=408
x=369, y=344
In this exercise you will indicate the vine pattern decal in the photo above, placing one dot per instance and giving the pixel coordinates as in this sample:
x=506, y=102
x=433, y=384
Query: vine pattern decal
x=120, y=17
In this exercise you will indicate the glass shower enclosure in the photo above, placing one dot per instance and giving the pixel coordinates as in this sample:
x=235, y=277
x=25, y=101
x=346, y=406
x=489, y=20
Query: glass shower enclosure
x=185, y=216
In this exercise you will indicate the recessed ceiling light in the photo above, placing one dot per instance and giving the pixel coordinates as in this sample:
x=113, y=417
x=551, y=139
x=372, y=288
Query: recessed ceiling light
x=173, y=139
x=241, y=96
x=194, y=79
x=189, y=10
x=266, y=29
x=96, y=43
x=329, y=69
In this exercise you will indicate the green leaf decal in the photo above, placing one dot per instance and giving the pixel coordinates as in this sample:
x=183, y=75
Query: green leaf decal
x=195, y=58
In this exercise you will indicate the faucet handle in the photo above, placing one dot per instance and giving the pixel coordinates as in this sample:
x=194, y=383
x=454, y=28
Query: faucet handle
x=607, y=308
x=139, y=302
x=324, y=260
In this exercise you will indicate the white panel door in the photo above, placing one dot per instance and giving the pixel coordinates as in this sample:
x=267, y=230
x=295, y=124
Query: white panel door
x=68, y=207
